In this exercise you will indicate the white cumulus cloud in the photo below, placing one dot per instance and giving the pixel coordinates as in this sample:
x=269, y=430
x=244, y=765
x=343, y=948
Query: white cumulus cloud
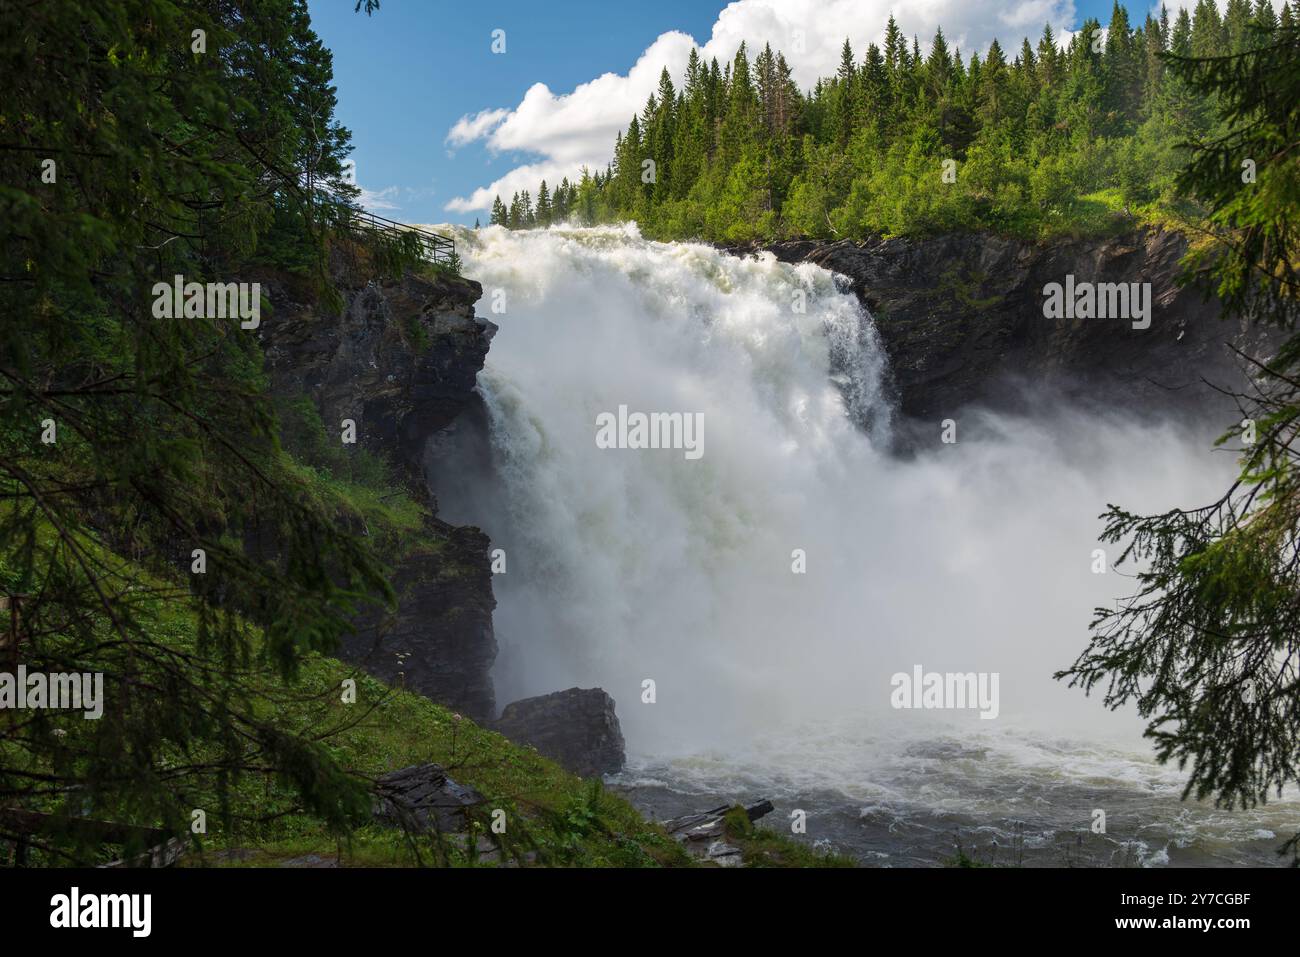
x=566, y=131
x=470, y=128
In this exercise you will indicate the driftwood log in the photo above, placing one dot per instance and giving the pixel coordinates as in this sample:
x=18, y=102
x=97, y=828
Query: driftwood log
x=704, y=834
x=703, y=821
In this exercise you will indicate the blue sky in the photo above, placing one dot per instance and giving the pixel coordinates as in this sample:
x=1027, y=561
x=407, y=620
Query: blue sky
x=407, y=75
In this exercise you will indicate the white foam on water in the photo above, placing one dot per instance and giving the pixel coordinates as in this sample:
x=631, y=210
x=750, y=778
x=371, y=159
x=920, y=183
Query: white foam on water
x=626, y=565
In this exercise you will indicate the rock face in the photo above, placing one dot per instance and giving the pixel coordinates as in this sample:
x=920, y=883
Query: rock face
x=440, y=641
x=401, y=360
x=423, y=798
x=961, y=319
x=576, y=728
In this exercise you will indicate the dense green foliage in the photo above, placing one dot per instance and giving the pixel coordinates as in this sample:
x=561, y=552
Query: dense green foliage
x=1209, y=647
x=1042, y=139
x=139, y=140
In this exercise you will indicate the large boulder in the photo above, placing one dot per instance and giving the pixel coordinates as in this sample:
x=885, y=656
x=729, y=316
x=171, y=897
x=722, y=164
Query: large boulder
x=576, y=728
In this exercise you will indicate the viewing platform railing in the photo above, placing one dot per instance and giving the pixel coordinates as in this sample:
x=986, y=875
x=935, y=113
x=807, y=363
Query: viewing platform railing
x=437, y=248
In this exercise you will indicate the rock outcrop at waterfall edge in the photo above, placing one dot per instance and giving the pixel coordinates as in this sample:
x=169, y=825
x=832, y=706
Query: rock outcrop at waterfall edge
x=401, y=361
x=961, y=320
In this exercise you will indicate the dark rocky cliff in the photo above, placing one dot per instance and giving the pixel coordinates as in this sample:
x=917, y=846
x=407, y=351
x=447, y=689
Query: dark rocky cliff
x=961, y=319
x=401, y=360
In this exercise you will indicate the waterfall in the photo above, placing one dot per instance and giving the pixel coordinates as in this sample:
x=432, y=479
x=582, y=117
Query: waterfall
x=631, y=564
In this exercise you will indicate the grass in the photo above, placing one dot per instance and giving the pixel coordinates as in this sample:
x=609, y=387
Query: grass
x=552, y=817
x=1104, y=213
x=348, y=481
x=556, y=817
x=763, y=847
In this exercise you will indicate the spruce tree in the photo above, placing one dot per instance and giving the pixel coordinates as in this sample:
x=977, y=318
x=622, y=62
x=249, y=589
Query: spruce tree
x=130, y=157
x=543, y=211
x=1209, y=647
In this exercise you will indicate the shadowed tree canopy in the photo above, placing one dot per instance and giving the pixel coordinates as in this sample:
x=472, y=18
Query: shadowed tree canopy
x=140, y=140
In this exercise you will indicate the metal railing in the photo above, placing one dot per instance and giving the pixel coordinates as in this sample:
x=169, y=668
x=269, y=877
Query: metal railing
x=436, y=247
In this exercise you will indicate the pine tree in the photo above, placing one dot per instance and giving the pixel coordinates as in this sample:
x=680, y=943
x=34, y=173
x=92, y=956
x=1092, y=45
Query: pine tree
x=1153, y=82
x=875, y=86
x=938, y=67
x=993, y=83
x=663, y=131
x=543, y=211
x=895, y=49
x=1120, y=68
x=1049, y=59
x=562, y=202
x=1180, y=43
x=740, y=109
x=1209, y=38
x=788, y=102
x=1236, y=24
x=846, y=94
x=1208, y=648
x=1265, y=22
x=735, y=142
x=168, y=440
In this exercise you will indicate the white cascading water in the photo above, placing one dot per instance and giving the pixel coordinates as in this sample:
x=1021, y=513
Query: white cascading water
x=625, y=565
